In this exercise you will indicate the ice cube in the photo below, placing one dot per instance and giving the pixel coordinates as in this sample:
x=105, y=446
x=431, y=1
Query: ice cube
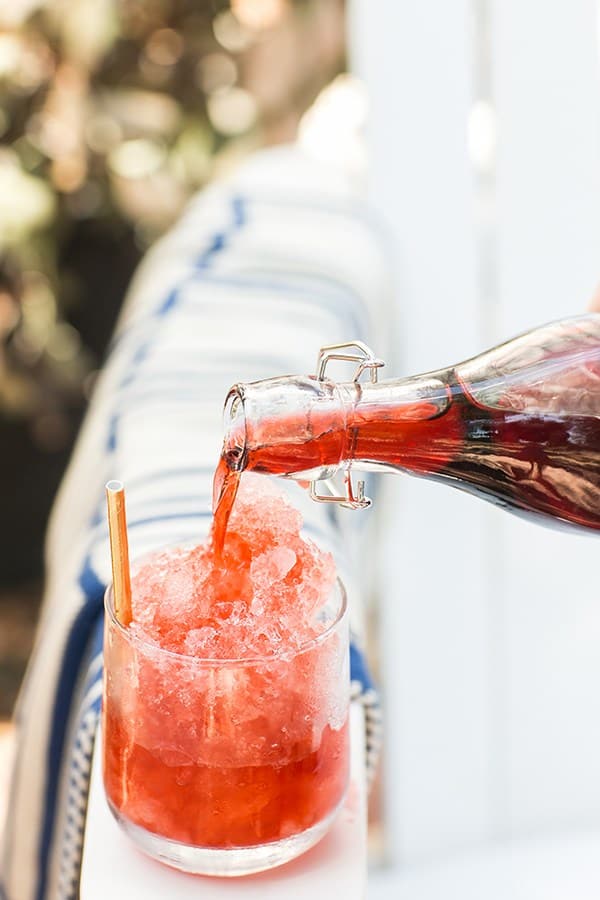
x=200, y=641
x=273, y=565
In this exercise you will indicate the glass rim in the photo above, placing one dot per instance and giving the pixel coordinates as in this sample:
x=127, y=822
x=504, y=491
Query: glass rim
x=201, y=661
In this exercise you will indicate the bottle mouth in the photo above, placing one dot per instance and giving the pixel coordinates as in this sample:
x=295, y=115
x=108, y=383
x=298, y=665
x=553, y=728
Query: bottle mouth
x=235, y=441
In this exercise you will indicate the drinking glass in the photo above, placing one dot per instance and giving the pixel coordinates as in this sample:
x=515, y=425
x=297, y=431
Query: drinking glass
x=226, y=766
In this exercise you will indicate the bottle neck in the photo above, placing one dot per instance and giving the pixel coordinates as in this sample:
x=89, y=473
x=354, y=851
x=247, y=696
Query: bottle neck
x=305, y=428
x=292, y=426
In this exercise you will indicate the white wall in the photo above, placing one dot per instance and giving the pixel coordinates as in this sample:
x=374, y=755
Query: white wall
x=490, y=626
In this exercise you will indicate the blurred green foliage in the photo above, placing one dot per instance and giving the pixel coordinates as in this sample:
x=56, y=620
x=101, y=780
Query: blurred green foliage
x=112, y=114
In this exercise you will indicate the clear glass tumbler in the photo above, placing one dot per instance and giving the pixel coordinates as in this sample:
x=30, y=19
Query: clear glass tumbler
x=226, y=767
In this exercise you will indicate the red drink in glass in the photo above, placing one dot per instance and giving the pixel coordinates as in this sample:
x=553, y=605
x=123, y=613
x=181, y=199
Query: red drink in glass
x=226, y=700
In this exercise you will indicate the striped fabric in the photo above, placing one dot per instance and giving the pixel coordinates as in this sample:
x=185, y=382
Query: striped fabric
x=260, y=272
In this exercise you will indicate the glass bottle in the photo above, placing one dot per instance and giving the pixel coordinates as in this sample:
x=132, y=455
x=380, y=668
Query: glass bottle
x=518, y=425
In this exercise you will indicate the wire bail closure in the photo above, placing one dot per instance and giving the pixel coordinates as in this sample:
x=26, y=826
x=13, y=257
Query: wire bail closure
x=365, y=359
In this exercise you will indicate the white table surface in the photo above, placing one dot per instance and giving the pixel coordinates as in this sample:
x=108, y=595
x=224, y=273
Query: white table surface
x=559, y=867
x=336, y=867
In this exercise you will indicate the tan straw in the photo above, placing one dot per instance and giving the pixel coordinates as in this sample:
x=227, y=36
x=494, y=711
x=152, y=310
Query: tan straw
x=119, y=551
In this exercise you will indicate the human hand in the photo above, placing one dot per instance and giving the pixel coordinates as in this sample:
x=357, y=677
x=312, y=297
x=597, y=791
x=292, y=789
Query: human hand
x=595, y=304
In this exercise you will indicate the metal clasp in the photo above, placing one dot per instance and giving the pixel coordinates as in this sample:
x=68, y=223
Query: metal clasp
x=354, y=498
x=365, y=358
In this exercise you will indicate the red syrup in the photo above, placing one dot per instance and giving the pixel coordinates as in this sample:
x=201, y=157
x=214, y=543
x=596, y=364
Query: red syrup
x=535, y=461
x=225, y=487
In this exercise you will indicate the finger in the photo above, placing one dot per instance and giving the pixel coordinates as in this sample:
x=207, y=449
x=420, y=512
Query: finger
x=595, y=304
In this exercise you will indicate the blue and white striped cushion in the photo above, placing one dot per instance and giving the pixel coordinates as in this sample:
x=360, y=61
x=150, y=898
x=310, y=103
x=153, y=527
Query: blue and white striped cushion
x=260, y=272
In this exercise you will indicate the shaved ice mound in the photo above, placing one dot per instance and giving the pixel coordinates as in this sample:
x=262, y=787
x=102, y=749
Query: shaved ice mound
x=261, y=598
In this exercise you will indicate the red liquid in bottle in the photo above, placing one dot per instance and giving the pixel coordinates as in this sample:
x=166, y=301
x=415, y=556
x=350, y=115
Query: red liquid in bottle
x=534, y=465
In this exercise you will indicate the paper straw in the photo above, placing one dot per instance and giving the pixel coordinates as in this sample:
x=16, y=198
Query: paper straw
x=119, y=551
